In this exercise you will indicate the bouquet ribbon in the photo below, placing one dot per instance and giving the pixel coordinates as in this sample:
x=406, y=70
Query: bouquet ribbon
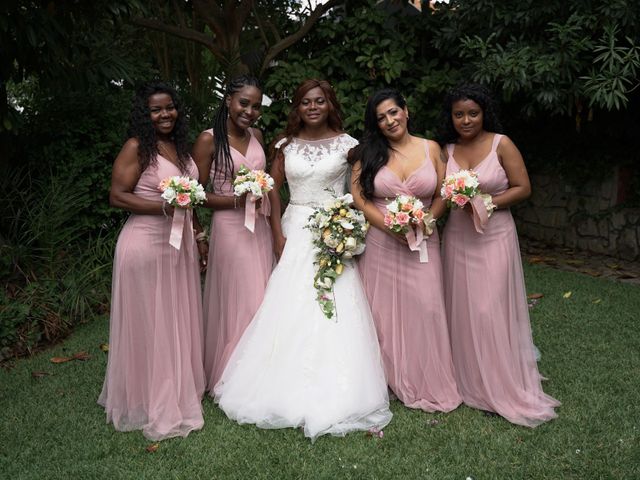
x=250, y=210
x=418, y=243
x=480, y=215
x=177, y=227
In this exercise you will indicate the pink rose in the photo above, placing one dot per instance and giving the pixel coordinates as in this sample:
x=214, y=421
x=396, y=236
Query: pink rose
x=184, y=183
x=402, y=218
x=388, y=220
x=183, y=199
x=448, y=190
x=459, y=183
x=406, y=207
x=418, y=215
x=460, y=200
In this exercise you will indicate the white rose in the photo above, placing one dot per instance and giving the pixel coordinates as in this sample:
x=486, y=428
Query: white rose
x=169, y=194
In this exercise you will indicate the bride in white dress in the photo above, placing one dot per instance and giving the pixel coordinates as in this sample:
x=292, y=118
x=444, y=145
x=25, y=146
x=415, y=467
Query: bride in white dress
x=294, y=367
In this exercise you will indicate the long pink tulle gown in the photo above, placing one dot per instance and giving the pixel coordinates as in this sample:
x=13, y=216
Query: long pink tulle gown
x=492, y=347
x=407, y=302
x=240, y=263
x=154, y=379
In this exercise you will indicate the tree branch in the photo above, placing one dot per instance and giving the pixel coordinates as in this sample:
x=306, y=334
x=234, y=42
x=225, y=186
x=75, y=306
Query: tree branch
x=186, y=33
x=286, y=42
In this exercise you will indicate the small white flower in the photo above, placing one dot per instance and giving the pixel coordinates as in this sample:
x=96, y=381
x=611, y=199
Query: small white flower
x=169, y=194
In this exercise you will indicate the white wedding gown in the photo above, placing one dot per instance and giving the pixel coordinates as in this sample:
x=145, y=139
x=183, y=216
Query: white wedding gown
x=294, y=367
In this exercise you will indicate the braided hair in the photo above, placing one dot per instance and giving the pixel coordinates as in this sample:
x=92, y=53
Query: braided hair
x=141, y=128
x=468, y=91
x=222, y=161
x=373, y=148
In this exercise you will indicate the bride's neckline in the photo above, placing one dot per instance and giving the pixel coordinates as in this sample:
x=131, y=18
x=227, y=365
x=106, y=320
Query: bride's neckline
x=319, y=139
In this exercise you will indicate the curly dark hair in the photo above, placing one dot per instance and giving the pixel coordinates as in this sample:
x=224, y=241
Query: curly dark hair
x=221, y=158
x=468, y=91
x=141, y=128
x=373, y=148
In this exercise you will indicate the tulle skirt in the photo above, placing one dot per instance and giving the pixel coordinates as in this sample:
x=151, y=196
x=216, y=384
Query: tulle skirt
x=154, y=379
x=293, y=367
x=493, y=352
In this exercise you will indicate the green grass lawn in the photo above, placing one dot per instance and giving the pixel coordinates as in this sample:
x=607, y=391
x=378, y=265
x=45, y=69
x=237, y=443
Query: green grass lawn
x=52, y=428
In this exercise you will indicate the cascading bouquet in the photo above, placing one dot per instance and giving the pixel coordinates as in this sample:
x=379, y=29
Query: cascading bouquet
x=338, y=232
x=463, y=187
x=254, y=183
x=182, y=193
x=405, y=215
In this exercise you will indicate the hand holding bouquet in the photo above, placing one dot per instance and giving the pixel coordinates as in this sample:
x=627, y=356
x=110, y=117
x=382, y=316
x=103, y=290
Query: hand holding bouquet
x=338, y=232
x=463, y=187
x=183, y=193
x=255, y=184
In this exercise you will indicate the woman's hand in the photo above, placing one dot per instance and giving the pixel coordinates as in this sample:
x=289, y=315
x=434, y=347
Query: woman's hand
x=203, y=251
x=242, y=200
x=279, y=242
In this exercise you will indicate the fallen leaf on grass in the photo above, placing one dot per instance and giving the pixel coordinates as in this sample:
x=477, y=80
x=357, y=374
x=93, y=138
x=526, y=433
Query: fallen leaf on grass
x=574, y=261
x=626, y=275
x=153, y=447
x=39, y=374
x=597, y=300
x=589, y=271
x=76, y=356
x=433, y=422
x=104, y=347
x=535, y=296
x=567, y=294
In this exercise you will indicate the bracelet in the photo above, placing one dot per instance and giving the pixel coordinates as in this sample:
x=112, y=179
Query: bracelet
x=164, y=209
x=201, y=236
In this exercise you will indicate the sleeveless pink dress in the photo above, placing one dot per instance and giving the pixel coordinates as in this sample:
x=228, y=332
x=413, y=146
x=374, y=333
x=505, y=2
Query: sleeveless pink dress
x=407, y=302
x=239, y=266
x=492, y=347
x=154, y=379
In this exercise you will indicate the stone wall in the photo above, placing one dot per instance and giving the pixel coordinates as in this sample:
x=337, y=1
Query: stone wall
x=588, y=218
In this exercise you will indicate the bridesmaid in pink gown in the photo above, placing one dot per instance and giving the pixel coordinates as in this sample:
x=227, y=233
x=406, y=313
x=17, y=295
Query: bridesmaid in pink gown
x=492, y=347
x=154, y=379
x=240, y=261
x=405, y=293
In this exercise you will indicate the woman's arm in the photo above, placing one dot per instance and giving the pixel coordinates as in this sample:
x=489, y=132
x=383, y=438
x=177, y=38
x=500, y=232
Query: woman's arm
x=124, y=177
x=277, y=172
x=438, y=205
x=513, y=164
x=203, y=154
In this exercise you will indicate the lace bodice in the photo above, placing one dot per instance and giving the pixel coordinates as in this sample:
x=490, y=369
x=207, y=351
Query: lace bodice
x=313, y=166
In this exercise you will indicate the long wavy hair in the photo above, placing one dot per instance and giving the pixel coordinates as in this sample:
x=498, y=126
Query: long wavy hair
x=373, y=148
x=468, y=91
x=141, y=128
x=295, y=123
x=221, y=157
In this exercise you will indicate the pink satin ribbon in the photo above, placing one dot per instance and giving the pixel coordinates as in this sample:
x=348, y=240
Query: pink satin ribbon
x=250, y=210
x=177, y=227
x=418, y=243
x=480, y=215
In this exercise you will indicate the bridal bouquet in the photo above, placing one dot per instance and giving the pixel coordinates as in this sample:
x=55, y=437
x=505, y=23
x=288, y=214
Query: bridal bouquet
x=183, y=192
x=253, y=182
x=463, y=187
x=338, y=233
x=405, y=215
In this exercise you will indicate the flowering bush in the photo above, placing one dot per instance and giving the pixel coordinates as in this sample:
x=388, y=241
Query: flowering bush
x=338, y=233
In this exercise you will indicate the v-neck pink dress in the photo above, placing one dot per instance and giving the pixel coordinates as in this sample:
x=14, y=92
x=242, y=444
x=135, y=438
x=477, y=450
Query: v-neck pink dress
x=407, y=301
x=239, y=266
x=155, y=380
x=492, y=347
